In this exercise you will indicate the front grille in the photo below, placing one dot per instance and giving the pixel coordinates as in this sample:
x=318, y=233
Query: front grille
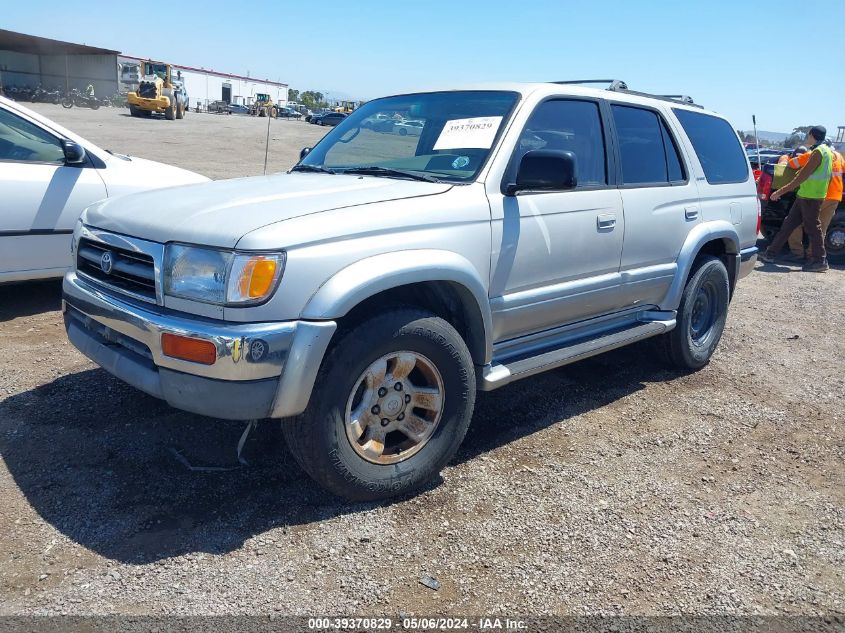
x=147, y=90
x=130, y=272
x=111, y=338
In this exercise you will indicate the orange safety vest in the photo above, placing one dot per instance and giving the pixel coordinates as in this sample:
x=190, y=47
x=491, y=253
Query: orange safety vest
x=834, y=189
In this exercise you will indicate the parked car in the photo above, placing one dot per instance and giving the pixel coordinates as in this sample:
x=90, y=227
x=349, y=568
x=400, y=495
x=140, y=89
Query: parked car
x=408, y=128
x=380, y=122
x=309, y=118
x=330, y=118
x=541, y=224
x=238, y=108
x=288, y=113
x=47, y=176
x=220, y=107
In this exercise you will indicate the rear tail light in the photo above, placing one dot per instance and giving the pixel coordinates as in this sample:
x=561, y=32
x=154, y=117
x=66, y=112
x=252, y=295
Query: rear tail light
x=759, y=216
x=764, y=186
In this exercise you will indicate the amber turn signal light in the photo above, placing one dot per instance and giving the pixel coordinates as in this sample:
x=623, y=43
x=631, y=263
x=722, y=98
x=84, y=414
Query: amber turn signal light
x=194, y=350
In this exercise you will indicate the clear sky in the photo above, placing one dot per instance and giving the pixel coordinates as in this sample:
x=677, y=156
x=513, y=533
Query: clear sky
x=733, y=56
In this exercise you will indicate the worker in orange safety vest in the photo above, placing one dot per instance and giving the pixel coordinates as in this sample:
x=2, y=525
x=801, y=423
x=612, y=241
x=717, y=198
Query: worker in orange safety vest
x=828, y=210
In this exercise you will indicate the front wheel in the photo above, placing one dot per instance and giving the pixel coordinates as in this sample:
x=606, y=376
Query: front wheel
x=390, y=407
x=67, y=102
x=701, y=316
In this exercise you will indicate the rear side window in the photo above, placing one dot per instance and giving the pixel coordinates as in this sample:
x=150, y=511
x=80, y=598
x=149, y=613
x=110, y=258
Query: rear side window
x=717, y=147
x=648, y=152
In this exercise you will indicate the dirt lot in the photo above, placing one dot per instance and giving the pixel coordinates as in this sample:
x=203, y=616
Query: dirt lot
x=612, y=486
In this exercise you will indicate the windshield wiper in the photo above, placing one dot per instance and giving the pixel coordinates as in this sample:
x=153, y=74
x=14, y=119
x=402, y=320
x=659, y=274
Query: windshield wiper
x=386, y=171
x=314, y=168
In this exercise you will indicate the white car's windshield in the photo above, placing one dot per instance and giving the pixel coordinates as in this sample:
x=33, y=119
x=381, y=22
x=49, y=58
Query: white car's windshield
x=435, y=135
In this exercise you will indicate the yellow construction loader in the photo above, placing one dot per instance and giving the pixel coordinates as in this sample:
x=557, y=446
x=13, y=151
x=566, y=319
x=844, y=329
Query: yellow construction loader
x=263, y=106
x=159, y=91
x=347, y=107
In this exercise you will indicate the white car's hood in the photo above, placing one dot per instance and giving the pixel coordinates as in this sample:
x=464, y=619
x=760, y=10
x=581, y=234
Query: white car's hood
x=220, y=213
x=124, y=176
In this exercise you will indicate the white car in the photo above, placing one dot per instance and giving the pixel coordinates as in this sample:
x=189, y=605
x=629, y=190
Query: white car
x=48, y=175
x=408, y=127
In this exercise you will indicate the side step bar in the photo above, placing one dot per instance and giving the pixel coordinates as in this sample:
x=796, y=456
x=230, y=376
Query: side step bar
x=499, y=375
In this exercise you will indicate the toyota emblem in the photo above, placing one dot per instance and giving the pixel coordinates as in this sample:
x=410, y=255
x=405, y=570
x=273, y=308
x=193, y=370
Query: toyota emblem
x=106, y=263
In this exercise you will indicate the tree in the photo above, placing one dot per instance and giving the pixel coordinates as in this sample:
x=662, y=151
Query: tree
x=797, y=137
x=293, y=95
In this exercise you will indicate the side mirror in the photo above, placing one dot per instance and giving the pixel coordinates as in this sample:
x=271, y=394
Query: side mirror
x=545, y=170
x=304, y=152
x=74, y=152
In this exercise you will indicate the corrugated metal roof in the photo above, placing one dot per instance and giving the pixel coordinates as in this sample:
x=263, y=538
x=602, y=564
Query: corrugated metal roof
x=210, y=71
x=32, y=44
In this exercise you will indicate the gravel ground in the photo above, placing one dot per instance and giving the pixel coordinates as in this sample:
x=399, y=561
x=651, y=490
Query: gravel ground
x=612, y=486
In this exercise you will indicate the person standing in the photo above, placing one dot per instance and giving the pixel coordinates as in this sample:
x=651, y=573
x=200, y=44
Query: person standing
x=831, y=201
x=812, y=183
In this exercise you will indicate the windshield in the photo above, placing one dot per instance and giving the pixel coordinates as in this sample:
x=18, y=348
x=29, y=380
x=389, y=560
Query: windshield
x=156, y=69
x=445, y=135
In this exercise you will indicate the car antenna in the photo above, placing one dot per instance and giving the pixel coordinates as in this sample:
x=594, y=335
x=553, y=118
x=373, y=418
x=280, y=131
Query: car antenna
x=267, y=142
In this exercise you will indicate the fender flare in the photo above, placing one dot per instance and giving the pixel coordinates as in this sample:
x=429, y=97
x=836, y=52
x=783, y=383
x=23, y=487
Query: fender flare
x=697, y=238
x=368, y=277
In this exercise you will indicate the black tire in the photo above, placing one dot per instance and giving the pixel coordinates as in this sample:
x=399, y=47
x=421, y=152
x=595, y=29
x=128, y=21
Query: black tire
x=94, y=104
x=170, y=112
x=701, y=316
x=835, y=239
x=318, y=438
x=67, y=102
x=403, y=132
x=180, y=110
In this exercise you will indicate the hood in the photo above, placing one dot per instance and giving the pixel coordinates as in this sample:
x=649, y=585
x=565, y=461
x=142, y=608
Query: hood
x=219, y=213
x=130, y=174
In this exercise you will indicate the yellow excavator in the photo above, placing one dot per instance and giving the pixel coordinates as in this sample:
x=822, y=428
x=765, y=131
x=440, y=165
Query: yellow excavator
x=158, y=91
x=263, y=106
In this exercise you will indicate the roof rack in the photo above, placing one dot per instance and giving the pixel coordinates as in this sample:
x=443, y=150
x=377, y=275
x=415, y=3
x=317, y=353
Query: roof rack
x=617, y=85
x=613, y=84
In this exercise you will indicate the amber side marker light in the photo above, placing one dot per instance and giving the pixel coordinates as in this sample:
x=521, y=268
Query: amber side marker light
x=194, y=350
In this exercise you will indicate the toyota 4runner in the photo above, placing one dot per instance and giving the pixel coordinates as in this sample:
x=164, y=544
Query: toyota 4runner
x=364, y=296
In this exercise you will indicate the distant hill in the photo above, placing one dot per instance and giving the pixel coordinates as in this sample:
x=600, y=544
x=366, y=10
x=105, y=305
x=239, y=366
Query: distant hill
x=769, y=136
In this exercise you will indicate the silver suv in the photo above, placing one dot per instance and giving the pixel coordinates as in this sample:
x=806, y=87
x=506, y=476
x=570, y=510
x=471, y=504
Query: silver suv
x=367, y=294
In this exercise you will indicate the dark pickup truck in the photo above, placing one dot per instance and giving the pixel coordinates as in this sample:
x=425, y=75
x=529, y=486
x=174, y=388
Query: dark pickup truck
x=774, y=213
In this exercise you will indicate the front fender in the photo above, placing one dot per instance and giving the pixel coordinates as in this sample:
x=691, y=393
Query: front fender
x=697, y=238
x=368, y=277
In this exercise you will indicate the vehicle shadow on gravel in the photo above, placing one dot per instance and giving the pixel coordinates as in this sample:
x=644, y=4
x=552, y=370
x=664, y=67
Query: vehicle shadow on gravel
x=26, y=299
x=98, y=460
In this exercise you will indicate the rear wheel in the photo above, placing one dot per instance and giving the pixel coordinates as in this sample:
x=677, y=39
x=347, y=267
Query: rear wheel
x=835, y=239
x=170, y=111
x=180, y=110
x=390, y=407
x=67, y=102
x=701, y=316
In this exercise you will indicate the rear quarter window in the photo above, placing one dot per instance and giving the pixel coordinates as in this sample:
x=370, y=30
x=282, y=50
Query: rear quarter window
x=717, y=146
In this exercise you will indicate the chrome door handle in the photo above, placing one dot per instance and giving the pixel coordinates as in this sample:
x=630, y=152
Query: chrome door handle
x=691, y=213
x=606, y=220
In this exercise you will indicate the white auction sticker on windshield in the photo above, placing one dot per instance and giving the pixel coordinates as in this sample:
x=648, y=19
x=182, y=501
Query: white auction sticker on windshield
x=477, y=133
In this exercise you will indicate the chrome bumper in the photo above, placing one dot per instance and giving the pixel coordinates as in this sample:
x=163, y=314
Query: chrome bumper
x=747, y=260
x=261, y=369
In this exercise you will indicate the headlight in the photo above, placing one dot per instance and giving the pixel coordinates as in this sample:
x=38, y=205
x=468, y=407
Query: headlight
x=220, y=277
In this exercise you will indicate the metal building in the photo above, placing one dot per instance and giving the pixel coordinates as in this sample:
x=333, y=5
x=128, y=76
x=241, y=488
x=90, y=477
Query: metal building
x=206, y=86
x=28, y=60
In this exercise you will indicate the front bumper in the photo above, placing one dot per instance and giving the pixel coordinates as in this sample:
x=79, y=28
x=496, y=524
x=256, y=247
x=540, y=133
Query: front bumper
x=261, y=369
x=158, y=104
